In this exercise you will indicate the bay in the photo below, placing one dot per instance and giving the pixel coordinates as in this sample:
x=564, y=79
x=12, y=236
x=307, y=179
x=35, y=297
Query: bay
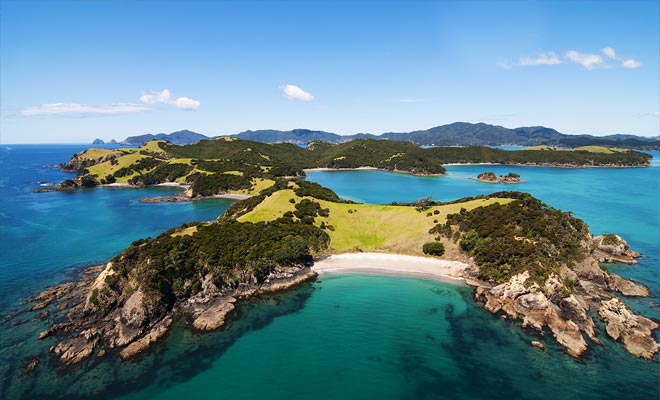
x=341, y=337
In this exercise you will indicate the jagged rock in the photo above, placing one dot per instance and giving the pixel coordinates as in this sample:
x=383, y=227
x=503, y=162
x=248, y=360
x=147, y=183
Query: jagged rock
x=31, y=365
x=213, y=316
x=627, y=287
x=532, y=306
x=75, y=350
x=139, y=346
x=612, y=248
x=133, y=312
x=538, y=345
x=41, y=305
x=634, y=331
x=289, y=280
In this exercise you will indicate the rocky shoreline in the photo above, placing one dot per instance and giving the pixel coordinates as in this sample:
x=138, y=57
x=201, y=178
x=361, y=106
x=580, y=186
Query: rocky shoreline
x=569, y=316
x=91, y=319
x=127, y=325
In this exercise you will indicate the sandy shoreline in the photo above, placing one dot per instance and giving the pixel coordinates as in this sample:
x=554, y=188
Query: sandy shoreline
x=392, y=264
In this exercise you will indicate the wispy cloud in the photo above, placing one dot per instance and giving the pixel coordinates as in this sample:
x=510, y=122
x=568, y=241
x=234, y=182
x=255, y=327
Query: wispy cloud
x=588, y=61
x=165, y=97
x=610, y=52
x=410, y=100
x=543, y=58
x=631, y=64
x=75, y=109
x=628, y=63
x=293, y=92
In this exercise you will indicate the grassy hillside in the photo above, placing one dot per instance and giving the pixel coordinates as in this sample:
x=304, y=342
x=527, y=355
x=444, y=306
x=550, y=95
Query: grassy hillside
x=367, y=227
x=233, y=165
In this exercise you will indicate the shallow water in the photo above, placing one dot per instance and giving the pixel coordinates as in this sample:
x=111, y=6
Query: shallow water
x=346, y=337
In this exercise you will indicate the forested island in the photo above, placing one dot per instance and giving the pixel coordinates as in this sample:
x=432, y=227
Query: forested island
x=227, y=165
x=528, y=261
x=490, y=177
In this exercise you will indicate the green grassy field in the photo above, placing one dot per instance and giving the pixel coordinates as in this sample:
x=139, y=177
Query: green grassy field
x=369, y=227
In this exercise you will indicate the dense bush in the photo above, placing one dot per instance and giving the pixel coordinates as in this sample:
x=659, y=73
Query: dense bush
x=522, y=235
x=231, y=251
x=433, y=248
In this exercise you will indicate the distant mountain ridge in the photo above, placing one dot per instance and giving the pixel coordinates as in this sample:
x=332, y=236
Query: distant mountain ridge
x=455, y=134
x=179, y=137
x=460, y=134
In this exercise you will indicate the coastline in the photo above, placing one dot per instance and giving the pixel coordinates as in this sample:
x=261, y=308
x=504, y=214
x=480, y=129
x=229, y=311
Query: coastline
x=392, y=265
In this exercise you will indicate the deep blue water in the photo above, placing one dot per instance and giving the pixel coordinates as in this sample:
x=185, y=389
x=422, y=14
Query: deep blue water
x=341, y=337
x=45, y=236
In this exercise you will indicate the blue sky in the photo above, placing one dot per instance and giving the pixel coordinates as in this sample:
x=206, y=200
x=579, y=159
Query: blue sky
x=72, y=71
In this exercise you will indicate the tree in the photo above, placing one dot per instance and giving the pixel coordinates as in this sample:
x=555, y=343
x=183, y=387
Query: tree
x=433, y=248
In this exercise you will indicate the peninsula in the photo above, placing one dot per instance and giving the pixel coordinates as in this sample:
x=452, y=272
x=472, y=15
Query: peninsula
x=528, y=262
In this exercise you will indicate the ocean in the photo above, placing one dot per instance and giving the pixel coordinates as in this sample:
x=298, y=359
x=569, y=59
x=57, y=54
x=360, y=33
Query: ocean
x=350, y=336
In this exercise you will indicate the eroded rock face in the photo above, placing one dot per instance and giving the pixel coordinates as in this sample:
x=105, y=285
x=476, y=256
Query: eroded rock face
x=530, y=304
x=133, y=312
x=107, y=311
x=634, y=331
x=612, y=248
x=213, y=316
x=565, y=311
x=144, y=343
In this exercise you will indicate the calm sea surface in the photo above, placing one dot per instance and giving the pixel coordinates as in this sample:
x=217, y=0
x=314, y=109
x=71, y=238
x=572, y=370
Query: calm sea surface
x=341, y=337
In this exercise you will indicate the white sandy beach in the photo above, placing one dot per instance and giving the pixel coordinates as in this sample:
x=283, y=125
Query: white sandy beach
x=391, y=264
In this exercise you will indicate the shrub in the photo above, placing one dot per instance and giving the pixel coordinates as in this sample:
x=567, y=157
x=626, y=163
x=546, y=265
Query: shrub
x=433, y=248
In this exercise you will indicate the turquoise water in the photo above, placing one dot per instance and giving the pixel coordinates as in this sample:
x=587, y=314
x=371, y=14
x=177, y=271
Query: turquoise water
x=341, y=337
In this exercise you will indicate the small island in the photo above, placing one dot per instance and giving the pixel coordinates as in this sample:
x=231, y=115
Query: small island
x=490, y=177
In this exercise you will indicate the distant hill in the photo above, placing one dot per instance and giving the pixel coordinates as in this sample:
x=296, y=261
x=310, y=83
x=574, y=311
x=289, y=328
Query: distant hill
x=179, y=137
x=460, y=134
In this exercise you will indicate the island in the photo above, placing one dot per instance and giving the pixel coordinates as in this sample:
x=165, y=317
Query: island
x=228, y=165
x=528, y=262
x=490, y=177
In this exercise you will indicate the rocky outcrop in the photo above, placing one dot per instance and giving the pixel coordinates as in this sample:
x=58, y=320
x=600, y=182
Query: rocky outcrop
x=140, y=346
x=530, y=304
x=213, y=316
x=634, y=331
x=611, y=248
x=490, y=177
x=111, y=312
x=565, y=302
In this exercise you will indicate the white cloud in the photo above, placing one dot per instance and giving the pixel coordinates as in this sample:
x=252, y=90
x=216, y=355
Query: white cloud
x=75, y=109
x=588, y=61
x=631, y=64
x=165, y=97
x=293, y=92
x=610, y=52
x=186, y=103
x=657, y=113
x=544, y=58
x=156, y=97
